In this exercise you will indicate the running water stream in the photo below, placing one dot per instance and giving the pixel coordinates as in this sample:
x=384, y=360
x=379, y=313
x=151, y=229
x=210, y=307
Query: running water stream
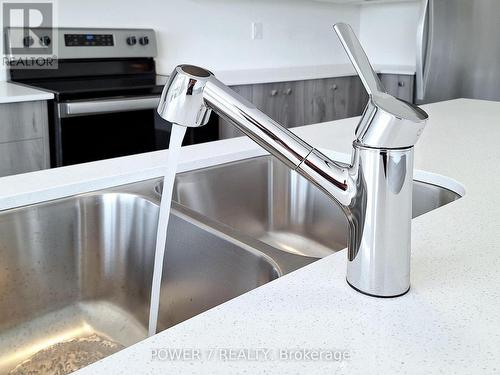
x=174, y=151
x=68, y=356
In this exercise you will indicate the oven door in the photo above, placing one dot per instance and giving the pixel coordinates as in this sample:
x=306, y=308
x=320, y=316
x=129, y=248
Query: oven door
x=89, y=130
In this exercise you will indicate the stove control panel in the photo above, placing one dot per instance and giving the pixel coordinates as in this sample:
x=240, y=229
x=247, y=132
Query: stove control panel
x=81, y=43
x=88, y=40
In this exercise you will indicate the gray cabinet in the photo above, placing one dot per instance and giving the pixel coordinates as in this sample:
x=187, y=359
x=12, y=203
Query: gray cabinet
x=312, y=101
x=283, y=101
x=399, y=85
x=24, y=138
x=333, y=98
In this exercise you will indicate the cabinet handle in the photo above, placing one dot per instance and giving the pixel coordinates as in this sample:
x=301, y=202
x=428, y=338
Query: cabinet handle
x=401, y=84
x=288, y=91
x=274, y=92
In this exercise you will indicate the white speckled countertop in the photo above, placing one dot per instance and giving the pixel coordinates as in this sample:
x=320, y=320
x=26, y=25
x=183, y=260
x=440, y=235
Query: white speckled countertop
x=448, y=323
x=12, y=93
x=300, y=73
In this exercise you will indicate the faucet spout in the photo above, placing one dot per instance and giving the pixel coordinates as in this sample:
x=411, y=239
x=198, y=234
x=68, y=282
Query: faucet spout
x=192, y=93
x=333, y=178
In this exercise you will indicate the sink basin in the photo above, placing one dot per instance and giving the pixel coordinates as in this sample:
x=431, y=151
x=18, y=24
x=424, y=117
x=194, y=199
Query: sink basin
x=75, y=273
x=262, y=199
x=80, y=269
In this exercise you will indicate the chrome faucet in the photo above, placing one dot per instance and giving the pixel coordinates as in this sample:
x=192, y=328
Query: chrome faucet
x=374, y=191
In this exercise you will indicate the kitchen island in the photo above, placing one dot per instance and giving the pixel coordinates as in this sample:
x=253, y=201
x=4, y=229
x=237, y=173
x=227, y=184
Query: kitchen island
x=447, y=323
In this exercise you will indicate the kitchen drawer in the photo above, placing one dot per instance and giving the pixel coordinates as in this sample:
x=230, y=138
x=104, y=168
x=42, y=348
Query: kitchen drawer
x=21, y=121
x=23, y=156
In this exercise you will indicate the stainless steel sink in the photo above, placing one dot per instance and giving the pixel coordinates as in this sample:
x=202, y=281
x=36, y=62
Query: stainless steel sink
x=263, y=200
x=75, y=273
x=81, y=267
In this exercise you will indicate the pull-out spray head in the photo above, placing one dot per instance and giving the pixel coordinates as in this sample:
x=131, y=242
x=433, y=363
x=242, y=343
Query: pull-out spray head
x=182, y=100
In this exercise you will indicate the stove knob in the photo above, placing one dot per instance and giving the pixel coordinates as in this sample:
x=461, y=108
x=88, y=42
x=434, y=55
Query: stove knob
x=131, y=40
x=144, y=40
x=45, y=41
x=28, y=41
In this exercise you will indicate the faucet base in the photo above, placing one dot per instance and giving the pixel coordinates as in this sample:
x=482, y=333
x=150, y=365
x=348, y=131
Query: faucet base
x=374, y=295
x=380, y=222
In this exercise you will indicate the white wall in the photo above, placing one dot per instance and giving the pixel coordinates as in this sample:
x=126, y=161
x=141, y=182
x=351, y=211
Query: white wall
x=216, y=33
x=389, y=32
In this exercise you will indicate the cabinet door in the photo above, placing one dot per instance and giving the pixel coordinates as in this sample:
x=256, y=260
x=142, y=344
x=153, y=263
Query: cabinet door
x=357, y=96
x=295, y=104
x=400, y=86
x=227, y=130
x=283, y=101
x=333, y=98
x=25, y=120
x=22, y=156
x=319, y=100
x=24, y=139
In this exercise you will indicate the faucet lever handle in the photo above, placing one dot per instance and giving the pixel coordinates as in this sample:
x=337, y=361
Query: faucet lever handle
x=387, y=122
x=358, y=58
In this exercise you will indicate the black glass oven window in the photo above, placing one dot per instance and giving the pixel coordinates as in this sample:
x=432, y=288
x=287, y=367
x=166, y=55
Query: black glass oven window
x=104, y=136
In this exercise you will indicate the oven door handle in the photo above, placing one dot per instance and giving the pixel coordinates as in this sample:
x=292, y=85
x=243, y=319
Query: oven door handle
x=95, y=107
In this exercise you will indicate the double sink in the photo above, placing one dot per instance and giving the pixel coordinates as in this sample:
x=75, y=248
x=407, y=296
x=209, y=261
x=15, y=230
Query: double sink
x=82, y=266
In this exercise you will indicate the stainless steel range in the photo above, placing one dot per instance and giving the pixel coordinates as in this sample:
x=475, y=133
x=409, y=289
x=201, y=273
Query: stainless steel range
x=106, y=91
